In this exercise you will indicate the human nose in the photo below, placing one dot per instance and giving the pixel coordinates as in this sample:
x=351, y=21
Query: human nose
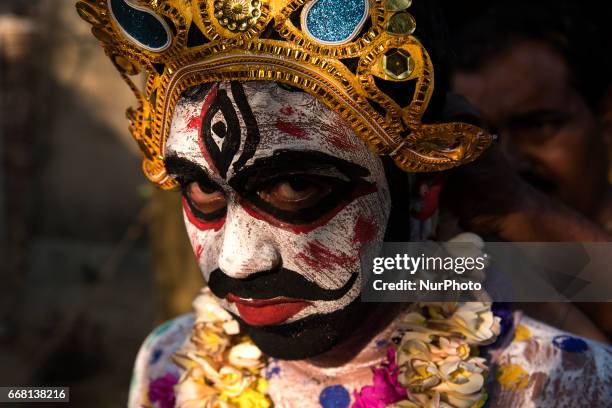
x=246, y=248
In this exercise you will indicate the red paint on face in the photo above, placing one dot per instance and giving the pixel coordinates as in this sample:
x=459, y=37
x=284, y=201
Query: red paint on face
x=340, y=136
x=210, y=98
x=317, y=256
x=202, y=225
x=198, y=251
x=365, y=230
x=258, y=214
x=267, y=312
x=287, y=111
x=195, y=123
x=291, y=129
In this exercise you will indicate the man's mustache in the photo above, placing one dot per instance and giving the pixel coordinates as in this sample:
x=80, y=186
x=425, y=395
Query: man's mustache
x=275, y=283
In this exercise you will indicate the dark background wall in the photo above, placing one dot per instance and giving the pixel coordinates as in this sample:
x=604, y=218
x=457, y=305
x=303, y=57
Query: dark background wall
x=79, y=224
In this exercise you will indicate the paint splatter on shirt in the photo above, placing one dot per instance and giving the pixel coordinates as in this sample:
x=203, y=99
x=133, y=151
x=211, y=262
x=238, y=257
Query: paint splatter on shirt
x=538, y=366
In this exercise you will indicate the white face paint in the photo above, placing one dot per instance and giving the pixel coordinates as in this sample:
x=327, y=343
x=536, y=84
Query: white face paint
x=287, y=185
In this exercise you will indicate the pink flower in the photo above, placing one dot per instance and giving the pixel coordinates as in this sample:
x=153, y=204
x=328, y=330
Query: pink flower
x=386, y=389
x=161, y=390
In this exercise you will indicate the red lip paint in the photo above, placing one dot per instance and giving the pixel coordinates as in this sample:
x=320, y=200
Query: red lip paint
x=267, y=312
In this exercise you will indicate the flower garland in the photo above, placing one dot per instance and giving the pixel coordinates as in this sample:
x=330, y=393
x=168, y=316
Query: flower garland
x=432, y=364
x=222, y=367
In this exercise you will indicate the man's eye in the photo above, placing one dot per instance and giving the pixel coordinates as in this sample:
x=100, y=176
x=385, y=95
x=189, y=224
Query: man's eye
x=206, y=200
x=295, y=193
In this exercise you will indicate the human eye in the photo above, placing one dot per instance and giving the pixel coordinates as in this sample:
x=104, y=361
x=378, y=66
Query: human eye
x=205, y=200
x=297, y=193
x=298, y=198
x=299, y=188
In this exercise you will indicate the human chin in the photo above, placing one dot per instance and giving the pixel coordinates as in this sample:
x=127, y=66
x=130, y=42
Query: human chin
x=278, y=235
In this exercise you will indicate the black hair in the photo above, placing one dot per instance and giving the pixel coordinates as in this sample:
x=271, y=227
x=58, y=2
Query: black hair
x=578, y=31
x=432, y=32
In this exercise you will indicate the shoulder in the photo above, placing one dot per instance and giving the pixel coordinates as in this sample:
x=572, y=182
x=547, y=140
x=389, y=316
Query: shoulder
x=545, y=367
x=155, y=373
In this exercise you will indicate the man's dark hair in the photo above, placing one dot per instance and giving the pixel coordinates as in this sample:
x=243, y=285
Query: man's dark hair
x=578, y=31
x=432, y=32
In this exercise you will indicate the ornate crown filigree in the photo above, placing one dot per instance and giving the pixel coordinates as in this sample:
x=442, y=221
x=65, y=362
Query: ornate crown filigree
x=356, y=56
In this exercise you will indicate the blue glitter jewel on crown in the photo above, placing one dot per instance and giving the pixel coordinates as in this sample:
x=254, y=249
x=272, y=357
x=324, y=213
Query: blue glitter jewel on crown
x=334, y=22
x=140, y=25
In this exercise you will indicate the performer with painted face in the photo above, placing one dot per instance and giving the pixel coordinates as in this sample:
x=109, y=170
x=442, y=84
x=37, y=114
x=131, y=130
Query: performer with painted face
x=293, y=129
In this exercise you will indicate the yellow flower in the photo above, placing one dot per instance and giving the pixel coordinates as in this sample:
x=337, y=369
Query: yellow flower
x=252, y=399
x=232, y=382
x=215, y=378
x=209, y=339
x=433, y=357
x=261, y=385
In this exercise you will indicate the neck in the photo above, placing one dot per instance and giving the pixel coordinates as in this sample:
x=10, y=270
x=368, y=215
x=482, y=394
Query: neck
x=347, y=366
x=354, y=350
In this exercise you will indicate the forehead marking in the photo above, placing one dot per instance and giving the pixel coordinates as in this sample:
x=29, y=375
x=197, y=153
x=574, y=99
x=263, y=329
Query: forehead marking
x=205, y=107
x=252, y=129
x=227, y=129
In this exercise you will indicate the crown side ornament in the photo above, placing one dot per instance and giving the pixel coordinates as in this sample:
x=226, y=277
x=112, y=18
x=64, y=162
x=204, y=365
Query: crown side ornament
x=346, y=53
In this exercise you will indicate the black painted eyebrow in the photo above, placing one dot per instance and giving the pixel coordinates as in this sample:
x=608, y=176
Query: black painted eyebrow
x=287, y=161
x=184, y=169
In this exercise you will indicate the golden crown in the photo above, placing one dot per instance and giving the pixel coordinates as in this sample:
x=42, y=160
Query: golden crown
x=356, y=56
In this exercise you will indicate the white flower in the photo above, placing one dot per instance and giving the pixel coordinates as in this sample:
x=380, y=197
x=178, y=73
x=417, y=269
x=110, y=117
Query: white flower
x=208, y=310
x=245, y=355
x=192, y=393
x=474, y=321
x=450, y=347
x=463, y=381
x=231, y=328
x=434, y=354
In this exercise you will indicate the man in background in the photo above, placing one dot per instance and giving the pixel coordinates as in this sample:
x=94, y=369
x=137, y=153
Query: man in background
x=539, y=75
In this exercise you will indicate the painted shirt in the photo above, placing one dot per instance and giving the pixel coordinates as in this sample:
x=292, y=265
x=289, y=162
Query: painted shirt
x=536, y=366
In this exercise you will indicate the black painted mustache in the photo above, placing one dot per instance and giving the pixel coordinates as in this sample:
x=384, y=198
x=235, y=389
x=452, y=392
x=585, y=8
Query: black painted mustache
x=276, y=283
